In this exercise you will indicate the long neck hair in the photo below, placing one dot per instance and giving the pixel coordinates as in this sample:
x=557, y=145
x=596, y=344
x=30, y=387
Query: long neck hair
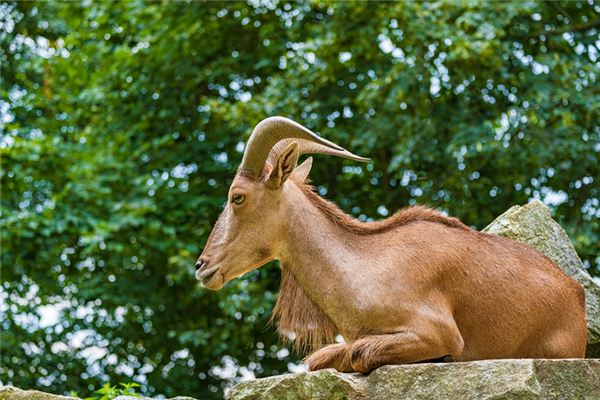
x=300, y=321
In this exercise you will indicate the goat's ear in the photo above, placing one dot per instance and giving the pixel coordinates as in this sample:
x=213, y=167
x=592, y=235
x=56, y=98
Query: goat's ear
x=303, y=170
x=284, y=166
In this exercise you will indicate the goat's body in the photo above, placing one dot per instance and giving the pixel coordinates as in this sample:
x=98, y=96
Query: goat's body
x=538, y=310
x=506, y=299
x=468, y=294
x=416, y=286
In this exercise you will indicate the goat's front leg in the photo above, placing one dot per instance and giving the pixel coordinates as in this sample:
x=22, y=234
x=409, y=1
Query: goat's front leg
x=370, y=352
x=333, y=356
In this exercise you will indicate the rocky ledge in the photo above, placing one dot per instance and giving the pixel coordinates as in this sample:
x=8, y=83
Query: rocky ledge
x=490, y=379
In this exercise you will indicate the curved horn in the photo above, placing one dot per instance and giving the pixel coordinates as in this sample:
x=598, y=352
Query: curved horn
x=272, y=130
x=306, y=147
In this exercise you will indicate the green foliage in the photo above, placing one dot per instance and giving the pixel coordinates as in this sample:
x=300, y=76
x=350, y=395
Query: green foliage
x=108, y=392
x=124, y=122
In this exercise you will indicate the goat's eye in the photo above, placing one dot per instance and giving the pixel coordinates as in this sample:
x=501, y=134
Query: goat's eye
x=238, y=198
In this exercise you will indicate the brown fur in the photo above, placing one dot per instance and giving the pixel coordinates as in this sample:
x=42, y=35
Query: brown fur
x=295, y=312
x=401, y=217
x=298, y=317
x=416, y=286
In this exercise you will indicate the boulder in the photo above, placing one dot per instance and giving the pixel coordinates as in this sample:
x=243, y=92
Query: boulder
x=13, y=393
x=489, y=379
x=532, y=224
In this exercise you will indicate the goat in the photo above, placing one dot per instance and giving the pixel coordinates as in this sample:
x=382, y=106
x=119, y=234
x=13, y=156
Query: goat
x=418, y=286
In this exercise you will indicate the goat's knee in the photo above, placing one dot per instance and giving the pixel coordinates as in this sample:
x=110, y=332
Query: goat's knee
x=333, y=356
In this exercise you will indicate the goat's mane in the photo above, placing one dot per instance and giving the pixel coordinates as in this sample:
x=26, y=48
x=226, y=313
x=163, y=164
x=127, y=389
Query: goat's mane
x=300, y=320
x=401, y=217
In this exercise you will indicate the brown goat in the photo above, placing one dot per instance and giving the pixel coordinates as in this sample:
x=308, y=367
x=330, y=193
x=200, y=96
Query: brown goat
x=417, y=286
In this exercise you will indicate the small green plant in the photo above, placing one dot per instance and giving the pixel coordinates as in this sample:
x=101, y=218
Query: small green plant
x=108, y=392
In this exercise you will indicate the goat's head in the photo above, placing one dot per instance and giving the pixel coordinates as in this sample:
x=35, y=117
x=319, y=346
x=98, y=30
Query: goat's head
x=246, y=234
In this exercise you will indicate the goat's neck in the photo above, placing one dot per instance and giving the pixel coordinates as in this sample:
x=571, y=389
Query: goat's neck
x=322, y=257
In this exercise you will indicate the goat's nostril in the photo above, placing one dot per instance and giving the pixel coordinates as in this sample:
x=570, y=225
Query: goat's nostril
x=199, y=265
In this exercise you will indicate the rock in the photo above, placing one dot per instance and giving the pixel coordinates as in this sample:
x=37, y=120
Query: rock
x=489, y=379
x=323, y=384
x=532, y=224
x=13, y=393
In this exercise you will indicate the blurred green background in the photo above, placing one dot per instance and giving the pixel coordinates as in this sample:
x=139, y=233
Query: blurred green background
x=123, y=124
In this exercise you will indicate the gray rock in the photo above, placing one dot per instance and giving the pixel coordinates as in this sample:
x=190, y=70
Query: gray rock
x=13, y=393
x=323, y=384
x=533, y=224
x=489, y=379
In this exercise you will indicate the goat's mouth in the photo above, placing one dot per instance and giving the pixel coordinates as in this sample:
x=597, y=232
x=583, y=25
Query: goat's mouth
x=205, y=276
